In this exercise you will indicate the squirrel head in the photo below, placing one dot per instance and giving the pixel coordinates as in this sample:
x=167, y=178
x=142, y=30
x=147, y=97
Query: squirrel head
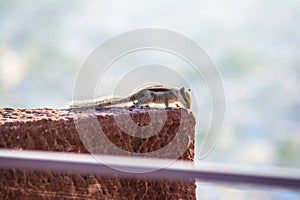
x=185, y=97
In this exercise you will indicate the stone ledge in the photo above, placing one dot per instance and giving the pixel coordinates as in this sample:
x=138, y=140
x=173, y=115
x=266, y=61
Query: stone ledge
x=55, y=130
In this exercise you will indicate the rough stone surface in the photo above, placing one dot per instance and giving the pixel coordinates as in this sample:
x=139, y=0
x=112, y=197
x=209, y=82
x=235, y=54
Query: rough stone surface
x=55, y=130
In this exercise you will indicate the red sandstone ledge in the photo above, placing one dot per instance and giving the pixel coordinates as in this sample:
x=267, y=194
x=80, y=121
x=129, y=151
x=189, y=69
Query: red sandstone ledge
x=76, y=131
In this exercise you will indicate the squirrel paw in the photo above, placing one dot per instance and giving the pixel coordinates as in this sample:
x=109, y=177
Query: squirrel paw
x=144, y=107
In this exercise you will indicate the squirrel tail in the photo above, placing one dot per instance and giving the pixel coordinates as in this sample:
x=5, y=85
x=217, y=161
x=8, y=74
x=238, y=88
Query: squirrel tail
x=104, y=102
x=80, y=104
x=111, y=102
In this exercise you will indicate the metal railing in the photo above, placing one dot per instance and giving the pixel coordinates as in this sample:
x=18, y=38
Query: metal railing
x=147, y=168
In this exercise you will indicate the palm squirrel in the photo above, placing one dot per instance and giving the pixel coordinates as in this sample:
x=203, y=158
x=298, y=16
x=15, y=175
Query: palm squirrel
x=156, y=93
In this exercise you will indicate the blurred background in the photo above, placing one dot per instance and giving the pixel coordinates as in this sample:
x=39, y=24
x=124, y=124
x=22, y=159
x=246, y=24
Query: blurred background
x=254, y=44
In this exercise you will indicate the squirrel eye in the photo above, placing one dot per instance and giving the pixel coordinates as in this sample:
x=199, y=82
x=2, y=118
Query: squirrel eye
x=189, y=90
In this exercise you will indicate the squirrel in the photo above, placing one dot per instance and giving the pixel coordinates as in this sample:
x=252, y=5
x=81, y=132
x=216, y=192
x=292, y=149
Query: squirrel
x=156, y=93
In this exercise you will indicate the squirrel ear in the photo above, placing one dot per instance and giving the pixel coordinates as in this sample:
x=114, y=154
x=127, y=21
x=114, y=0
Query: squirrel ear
x=182, y=89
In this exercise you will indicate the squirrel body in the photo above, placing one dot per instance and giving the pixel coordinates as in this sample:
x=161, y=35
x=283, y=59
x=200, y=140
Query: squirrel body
x=156, y=93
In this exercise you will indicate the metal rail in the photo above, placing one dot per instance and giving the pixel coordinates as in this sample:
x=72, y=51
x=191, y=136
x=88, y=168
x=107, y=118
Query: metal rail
x=147, y=168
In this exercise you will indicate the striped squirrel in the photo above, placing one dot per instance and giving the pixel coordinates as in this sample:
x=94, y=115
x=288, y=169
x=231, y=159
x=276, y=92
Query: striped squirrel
x=156, y=93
